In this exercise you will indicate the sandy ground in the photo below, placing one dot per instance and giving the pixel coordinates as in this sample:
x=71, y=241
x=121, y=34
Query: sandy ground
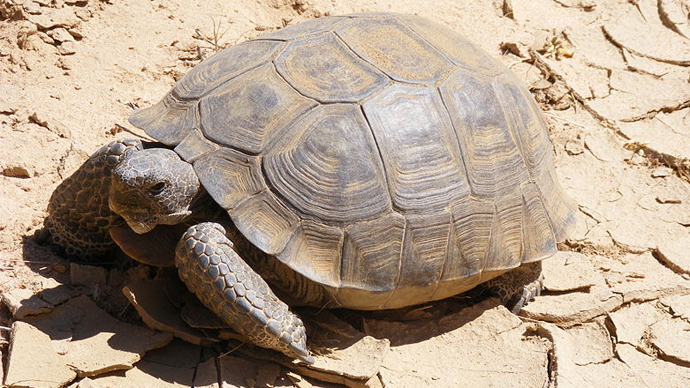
x=611, y=75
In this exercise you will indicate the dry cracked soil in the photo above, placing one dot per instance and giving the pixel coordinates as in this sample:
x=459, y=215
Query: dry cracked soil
x=612, y=77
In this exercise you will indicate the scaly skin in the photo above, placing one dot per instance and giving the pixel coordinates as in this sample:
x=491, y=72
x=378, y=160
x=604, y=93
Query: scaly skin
x=78, y=214
x=519, y=286
x=209, y=265
x=128, y=179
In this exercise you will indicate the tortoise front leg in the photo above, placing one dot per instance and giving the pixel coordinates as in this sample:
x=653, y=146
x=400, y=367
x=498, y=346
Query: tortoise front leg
x=228, y=286
x=79, y=217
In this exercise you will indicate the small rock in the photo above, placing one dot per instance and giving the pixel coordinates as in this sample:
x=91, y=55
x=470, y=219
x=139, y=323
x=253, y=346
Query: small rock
x=87, y=275
x=60, y=34
x=671, y=338
x=32, y=8
x=26, y=31
x=76, y=33
x=638, y=160
x=22, y=302
x=541, y=41
x=19, y=170
x=661, y=172
x=32, y=360
x=67, y=48
x=83, y=13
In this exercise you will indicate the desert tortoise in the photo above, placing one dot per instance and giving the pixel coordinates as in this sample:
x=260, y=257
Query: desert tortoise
x=371, y=161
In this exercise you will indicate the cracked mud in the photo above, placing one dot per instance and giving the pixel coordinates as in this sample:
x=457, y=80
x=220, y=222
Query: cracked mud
x=612, y=77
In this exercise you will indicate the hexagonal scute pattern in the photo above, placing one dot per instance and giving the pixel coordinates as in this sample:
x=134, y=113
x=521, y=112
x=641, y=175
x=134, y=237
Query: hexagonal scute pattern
x=419, y=148
x=324, y=69
x=382, y=156
x=395, y=49
x=223, y=66
x=245, y=113
x=328, y=167
x=459, y=50
x=494, y=163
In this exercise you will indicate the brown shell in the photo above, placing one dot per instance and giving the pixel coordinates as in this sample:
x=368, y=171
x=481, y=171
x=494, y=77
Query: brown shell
x=382, y=156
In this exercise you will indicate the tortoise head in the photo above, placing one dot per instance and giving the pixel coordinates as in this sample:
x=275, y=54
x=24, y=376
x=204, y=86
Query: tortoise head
x=152, y=187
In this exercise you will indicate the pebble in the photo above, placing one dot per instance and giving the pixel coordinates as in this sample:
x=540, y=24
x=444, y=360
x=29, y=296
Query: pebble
x=661, y=172
x=60, y=34
x=19, y=170
x=67, y=48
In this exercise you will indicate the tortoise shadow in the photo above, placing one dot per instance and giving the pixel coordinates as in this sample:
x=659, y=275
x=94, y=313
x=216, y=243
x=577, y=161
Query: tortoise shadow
x=71, y=317
x=401, y=326
x=329, y=330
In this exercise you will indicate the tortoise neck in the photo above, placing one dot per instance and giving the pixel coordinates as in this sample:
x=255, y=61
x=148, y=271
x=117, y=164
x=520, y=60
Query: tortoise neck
x=204, y=208
x=79, y=217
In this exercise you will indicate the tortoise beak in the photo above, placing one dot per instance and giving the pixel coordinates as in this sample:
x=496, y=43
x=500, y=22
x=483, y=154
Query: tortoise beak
x=141, y=227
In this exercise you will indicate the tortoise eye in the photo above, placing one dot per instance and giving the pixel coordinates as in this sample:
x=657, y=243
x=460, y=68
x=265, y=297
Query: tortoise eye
x=157, y=188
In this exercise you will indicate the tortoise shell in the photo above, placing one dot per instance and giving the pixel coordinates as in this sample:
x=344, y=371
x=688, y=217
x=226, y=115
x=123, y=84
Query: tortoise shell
x=381, y=156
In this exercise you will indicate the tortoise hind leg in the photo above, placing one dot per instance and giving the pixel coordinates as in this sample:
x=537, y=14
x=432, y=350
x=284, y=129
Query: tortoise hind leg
x=228, y=286
x=518, y=287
